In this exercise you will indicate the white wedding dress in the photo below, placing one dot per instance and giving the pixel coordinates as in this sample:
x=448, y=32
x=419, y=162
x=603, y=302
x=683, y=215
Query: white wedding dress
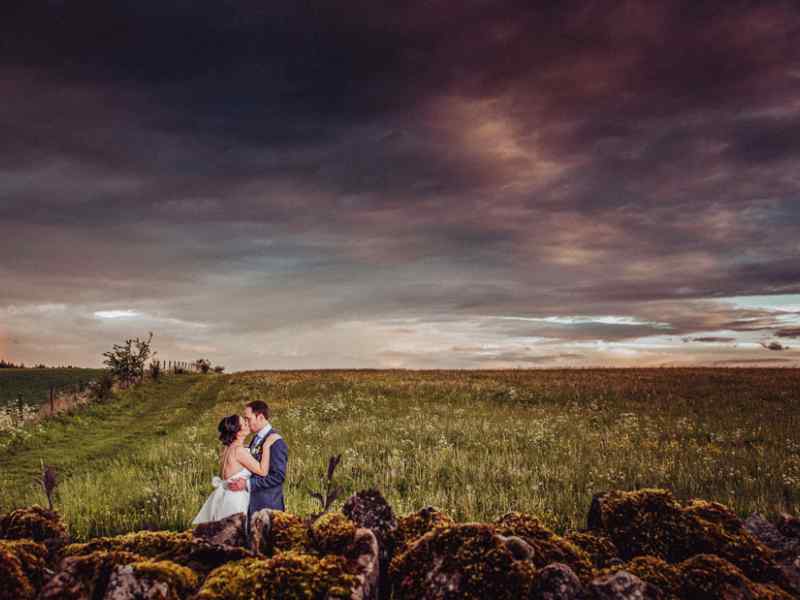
x=223, y=502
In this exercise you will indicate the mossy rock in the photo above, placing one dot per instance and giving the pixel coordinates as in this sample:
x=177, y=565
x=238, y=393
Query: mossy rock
x=14, y=583
x=713, y=578
x=465, y=561
x=163, y=579
x=651, y=522
x=547, y=547
x=33, y=558
x=182, y=548
x=32, y=523
x=86, y=576
x=369, y=509
x=715, y=512
x=413, y=526
x=601, y=550
x=286, y=532
x=333, y=533
x=642, y=522
x=652, y=570
x=287, y=575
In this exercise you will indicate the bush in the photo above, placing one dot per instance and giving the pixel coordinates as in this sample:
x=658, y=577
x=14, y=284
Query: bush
x=127, y=361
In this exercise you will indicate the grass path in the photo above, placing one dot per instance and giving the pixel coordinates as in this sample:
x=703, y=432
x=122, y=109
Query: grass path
x=94, y=445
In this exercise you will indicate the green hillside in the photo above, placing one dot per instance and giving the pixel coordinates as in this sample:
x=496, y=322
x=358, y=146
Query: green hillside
x=476, y=444
x=34, y=384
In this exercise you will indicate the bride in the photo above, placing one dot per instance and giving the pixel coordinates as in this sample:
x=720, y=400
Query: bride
x=235, y=462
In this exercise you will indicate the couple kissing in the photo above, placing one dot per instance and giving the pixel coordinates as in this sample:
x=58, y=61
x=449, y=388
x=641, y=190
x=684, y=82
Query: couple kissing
x=250, y=476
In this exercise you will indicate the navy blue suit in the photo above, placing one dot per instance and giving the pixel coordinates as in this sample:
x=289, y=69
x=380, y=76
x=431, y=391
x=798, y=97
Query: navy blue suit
x=267, y=491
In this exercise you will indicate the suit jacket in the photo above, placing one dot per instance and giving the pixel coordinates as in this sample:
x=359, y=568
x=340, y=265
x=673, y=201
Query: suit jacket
x=267, y=491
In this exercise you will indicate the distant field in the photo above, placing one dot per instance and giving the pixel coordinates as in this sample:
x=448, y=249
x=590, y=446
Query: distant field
x=473, y=443
x=34, y=384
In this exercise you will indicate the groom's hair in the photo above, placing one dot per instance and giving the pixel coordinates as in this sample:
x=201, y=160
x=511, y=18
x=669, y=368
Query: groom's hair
x=259, y=407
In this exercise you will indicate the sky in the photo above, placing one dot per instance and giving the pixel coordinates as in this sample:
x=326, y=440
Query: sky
x=416, y=184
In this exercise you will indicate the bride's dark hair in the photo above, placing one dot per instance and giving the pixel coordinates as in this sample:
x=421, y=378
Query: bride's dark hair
x=228, y=428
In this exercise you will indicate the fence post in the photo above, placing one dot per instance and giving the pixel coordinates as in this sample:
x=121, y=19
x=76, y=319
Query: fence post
x=20, y=404
x=52, y=402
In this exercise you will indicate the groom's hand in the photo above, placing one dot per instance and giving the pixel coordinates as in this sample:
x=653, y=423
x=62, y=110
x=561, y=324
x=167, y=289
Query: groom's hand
x=237, y=485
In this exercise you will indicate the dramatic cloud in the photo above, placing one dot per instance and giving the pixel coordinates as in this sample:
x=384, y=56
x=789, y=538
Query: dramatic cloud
x=424, y=185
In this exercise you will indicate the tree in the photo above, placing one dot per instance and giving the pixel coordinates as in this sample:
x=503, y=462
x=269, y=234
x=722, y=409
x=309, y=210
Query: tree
x=127, y=361
x=203, y=365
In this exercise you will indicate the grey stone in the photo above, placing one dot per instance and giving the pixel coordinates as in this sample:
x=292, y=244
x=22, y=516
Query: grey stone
x=769, y=534
x=556, y=582
x=229, y=531
x=623, y=586
x=124, y=584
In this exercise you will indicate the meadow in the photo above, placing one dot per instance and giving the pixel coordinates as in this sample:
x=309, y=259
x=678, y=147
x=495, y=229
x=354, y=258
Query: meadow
x=475, y=444
x=34, y=384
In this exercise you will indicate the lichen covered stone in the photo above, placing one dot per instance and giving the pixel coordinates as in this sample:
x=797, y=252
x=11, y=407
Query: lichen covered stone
x=32, y=557
x=286, y=532
x=32, y=523
x=413, y=526
x=333, y=533
x=711, y=577
x=653, y=570
x=183, y=548
x=466, y=561
x=601, y=550
x=14, y=583
x=287, y=575
x=369, y=509
x=159, y=580
x=651, y=522
x=85, y=576
x=547, y=546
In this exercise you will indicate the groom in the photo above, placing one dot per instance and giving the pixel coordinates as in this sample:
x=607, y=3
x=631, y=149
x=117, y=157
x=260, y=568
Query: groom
x=265, y=491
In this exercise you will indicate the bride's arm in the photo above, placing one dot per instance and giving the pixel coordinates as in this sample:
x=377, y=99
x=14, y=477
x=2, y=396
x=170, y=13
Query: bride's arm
x=251, y=464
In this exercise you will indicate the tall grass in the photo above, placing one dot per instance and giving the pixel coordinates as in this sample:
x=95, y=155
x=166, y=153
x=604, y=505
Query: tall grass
x=476, y=444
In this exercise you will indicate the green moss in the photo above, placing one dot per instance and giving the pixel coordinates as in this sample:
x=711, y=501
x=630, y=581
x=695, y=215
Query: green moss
x=33, y=523
x=653, y=570
x=181, y=580
x=181, y=548
x=601, y=549
x=466, y=561
x=547, y=546
x=230, y=581
x=286, y=532
x=715, y=513
x=287, y=575
x=32, y=557
x=652, y=522
x=413, y=526
x=710, y=577
x=14, y=584
x=333, y=533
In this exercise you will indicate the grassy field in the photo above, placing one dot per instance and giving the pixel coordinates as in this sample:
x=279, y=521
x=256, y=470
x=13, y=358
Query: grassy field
x=34, y=384
x=474, y=443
